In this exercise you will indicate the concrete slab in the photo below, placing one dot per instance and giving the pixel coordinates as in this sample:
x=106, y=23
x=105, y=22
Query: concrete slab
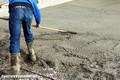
x=114, y=4
x=94, y=16
x=94, y=51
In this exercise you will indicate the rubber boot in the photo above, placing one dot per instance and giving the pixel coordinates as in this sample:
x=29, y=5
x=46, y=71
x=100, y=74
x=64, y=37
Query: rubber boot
x=31, y=51
x=15, y=64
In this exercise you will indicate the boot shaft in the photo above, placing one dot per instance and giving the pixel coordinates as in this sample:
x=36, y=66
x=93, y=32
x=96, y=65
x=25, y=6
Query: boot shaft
x=30, y=47
x=31, y=51
x=15, y=59
x=15, y=64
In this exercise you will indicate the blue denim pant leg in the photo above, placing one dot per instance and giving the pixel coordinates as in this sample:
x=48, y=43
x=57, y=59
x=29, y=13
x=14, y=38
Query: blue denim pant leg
x=28, y=16
x=16, y=19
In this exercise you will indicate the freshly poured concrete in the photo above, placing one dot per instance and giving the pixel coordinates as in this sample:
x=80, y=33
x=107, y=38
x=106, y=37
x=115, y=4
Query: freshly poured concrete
x=85, y=16
x=91, y=54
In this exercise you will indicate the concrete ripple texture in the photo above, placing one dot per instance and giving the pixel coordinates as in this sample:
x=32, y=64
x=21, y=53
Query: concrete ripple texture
x=91, y=54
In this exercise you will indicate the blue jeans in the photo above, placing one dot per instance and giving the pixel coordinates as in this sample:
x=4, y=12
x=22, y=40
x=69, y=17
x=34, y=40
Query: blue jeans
x=19, y=17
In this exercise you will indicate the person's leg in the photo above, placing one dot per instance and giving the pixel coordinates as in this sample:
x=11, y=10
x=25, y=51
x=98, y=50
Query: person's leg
x=15, y=22
x=28, y=16
x=28, y=34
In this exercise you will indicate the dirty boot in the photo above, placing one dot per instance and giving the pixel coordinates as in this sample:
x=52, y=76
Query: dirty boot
x=15, y=64
x=31, y=51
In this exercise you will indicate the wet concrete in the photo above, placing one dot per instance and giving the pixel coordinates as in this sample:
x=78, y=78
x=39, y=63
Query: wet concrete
x=91, y=54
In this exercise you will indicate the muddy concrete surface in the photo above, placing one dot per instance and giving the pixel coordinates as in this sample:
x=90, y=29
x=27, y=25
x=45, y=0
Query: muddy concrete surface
x=91, y=54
